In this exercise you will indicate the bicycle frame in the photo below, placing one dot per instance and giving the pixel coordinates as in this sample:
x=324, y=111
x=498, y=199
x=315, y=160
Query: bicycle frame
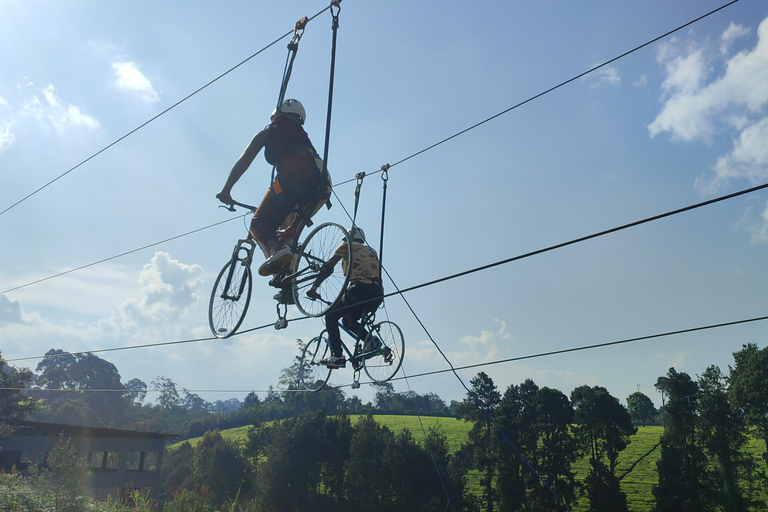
x=356, y=358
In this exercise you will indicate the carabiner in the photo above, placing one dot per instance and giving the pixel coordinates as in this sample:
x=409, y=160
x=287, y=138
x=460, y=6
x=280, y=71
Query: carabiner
x=282, y=321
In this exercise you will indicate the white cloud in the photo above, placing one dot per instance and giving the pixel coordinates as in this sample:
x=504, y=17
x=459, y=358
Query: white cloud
x=167, y=289
x=732, y=33
x=474, y=349
x=607, y=76
x=684, y=112
x=63, y=115
x=692, y=109
x=7, y=138
x=757, y=227
x=11, y=311
x=735, y=102
x=748, y=159
x=6, y=123
x=129, y=78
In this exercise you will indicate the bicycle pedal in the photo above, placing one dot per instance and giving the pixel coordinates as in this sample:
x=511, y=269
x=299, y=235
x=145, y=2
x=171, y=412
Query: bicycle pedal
x=281, y=323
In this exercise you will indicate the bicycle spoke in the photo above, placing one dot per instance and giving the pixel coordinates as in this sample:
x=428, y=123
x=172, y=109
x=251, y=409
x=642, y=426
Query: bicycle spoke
x=317, y=249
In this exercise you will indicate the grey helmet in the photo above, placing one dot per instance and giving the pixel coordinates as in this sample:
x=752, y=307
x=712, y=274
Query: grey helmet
x=357, y=234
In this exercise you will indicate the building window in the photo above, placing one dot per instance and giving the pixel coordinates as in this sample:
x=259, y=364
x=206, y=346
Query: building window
x=142, y=461
x=102, y=461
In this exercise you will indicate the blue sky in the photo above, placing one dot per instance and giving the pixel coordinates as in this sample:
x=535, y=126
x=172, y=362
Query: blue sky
x=678, y=122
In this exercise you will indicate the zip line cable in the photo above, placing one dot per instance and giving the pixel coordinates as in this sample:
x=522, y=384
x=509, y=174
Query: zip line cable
x=230, y=70
x=551, y=89
x=457, y=368
x=589, y=347
x=387, y=166
x=120, y=255
x=460, y=274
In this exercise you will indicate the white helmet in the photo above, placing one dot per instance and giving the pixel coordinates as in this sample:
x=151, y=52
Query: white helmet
x=357, y=234
x=292, y=107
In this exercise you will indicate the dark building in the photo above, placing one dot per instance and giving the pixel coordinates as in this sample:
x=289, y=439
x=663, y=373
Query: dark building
x=118, y=460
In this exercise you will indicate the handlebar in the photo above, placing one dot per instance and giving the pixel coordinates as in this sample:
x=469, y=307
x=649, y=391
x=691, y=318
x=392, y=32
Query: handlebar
x=231, y=206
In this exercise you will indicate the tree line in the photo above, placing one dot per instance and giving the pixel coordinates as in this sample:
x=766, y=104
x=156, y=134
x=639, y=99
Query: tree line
x=303, y=452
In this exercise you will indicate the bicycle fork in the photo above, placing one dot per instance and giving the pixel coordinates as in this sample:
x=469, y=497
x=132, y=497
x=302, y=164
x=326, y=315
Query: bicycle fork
x=247, y=245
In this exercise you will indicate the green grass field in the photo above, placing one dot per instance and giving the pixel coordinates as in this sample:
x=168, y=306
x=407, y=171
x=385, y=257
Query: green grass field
x=636, y=466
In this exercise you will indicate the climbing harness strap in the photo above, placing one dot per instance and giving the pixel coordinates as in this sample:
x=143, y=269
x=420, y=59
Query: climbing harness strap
x=335, y=25
x=293, y=47
x=384, y=179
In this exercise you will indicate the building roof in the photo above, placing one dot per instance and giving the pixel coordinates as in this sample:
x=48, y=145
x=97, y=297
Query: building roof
x=39, y=428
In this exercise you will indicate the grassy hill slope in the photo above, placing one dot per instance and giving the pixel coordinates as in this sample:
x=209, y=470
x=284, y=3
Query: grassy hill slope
x=636, y=466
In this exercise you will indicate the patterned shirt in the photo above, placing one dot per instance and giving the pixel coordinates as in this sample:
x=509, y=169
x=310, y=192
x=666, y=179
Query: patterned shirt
x=365, y=263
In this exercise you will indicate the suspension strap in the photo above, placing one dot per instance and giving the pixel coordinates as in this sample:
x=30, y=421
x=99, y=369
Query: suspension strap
x=293, y=47
x=335, y=10
x=384, y=179
x=360, y=176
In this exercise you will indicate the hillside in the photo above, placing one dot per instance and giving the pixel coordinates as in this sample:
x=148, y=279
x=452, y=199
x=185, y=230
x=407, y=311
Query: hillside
x=636, y=468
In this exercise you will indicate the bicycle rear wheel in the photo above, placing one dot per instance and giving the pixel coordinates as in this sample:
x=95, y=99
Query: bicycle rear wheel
x=312, y=374
x=317, y=249
x=229, y=301
x=390, y=351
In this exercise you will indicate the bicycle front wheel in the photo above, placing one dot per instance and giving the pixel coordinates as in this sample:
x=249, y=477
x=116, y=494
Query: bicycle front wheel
x=312, y=374
x=317, y=249
x=230, y=297
x=387, y=339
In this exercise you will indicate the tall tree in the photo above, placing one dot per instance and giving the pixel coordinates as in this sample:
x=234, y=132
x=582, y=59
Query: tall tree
x=516, y=418
x=83, y=373
x=749, y=388
x=478, y=407
x=682, y=469
x=369, y=479
x=604, y=427
x=168, y=398
x=641, y=407
x=194, y=402
x=289, y=478
x=558, y=449
x=723, y=434
x=14, y=403
x=138, y=391
x=219, y=465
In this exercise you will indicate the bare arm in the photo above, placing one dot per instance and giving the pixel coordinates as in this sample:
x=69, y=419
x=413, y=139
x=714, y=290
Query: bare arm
x=325, y=271
x=242, y=164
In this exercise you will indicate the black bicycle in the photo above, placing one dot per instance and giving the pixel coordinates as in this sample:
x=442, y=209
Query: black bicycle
x=231, y=294
x=380, y=355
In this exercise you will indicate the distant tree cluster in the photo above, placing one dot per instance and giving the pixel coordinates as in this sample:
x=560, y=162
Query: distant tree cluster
x=303, y=452
x=704, y=465
x=316, y=462
x=525, y=442
x=83, y=389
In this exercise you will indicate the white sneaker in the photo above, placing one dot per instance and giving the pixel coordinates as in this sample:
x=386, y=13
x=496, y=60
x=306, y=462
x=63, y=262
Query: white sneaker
x=278, y=260
x=334, y=362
